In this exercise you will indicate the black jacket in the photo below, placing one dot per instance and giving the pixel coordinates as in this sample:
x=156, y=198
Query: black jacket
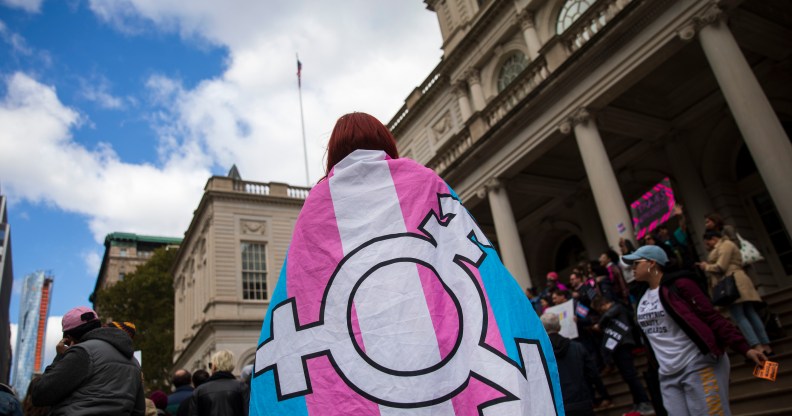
x=576, y=370
x=97, y=376
x=221, y=395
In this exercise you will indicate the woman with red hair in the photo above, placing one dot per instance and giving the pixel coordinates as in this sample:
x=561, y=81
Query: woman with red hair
x=385, y=269
x=355, y=131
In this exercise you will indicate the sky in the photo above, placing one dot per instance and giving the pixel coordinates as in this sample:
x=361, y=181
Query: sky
x=114, y=113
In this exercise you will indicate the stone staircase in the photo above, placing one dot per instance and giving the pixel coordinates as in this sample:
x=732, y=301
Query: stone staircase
x=748, y=395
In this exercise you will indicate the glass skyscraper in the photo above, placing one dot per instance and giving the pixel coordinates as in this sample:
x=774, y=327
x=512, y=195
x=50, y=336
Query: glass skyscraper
x=32, y=329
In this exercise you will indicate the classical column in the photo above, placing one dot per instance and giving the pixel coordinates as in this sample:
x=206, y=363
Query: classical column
x=526, y=20
x=460, y=91
x=691, y=187
x=761, y=130
x=508, y=237
x=474, y=81
x=607, y=194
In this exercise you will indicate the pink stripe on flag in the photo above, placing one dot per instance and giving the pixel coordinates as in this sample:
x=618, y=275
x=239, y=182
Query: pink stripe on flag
x=328, y=388
x=441, y=309
x=356, y=329
x=311, y=263
x=466, y=403
x=417, y=188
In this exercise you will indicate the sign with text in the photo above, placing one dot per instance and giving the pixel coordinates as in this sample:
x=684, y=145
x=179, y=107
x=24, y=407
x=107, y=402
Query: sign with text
x=653, y=208
x=566, y=317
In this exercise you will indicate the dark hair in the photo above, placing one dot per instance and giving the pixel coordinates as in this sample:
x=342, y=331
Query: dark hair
x=181, y=378
x=597, y=269
x=199, y=377
x=716, y=219
x=710, y=234
x=612, y=255
x=355, y=131
x=80, y=331
x=564, y=293
x=600, y=301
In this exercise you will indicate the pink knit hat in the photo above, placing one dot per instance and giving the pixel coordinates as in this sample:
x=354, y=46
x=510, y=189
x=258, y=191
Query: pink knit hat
x=552, y=276
x=78, y=316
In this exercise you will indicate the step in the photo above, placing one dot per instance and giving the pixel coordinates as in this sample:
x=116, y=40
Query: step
x=778, y=296
x=786, y=411
x=764, y=398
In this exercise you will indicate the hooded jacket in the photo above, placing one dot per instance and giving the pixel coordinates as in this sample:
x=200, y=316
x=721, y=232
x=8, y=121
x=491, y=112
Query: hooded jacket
x=97, y=376
x=692, y=310
x=576, y=370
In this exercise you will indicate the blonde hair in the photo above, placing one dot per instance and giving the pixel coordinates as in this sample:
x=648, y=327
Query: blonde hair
x=223, y=360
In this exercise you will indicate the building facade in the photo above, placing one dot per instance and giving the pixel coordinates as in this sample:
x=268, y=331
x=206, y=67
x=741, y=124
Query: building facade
x=6, y=286
x=124, y=253
x=32, y=329
x=228, y=266
x=549, y=117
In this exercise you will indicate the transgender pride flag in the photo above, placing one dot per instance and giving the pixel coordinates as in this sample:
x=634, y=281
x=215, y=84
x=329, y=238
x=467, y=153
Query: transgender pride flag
x=393, y=302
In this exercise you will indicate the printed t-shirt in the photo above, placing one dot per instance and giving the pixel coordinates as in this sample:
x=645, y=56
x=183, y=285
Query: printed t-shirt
x=672, y=347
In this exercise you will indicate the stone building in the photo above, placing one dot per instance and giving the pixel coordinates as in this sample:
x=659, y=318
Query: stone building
x=228, y=266
x=124, y=253
x=549, y=117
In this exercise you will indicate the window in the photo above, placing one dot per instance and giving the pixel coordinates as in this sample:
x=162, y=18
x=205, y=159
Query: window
x=121, y=276
x=570, y=12
x=513, y=66
x=122, y=252
x=254, y=271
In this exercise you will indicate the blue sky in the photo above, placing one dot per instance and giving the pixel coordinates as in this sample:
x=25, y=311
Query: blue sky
x=114, y=113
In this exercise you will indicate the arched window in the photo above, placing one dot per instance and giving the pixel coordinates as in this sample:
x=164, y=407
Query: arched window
x=570, y=12
x=511, y=69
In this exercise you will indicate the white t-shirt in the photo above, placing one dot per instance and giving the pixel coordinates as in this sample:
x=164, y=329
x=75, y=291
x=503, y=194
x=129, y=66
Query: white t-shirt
x=672, y=347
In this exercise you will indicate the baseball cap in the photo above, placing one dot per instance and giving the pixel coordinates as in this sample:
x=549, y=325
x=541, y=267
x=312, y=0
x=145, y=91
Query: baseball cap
x=648, y=252
x=77, y=317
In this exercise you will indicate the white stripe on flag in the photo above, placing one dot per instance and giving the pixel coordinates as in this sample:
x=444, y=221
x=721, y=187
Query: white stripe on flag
x=392, y=298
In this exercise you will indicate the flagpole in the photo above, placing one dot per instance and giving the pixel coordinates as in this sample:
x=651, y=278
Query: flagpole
x=302, y=121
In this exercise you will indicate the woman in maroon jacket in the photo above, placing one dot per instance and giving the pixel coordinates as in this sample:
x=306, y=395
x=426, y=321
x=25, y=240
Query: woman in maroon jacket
x=687, y=337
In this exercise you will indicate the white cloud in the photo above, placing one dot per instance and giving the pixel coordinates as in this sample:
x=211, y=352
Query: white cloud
x=93, y=260
x=15, y=40
x=54, y=334
x=357, y=56
x=43, y=163
x=97, y=89
x=32, y=6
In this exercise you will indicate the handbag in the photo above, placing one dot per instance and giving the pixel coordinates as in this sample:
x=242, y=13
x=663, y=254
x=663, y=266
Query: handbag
x=750, y=254
x=725, y=292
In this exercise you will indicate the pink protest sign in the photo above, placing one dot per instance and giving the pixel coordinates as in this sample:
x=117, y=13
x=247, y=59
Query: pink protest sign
x=653, y=208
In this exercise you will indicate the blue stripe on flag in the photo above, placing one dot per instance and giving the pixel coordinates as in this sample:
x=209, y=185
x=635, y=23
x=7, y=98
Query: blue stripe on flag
x=263, y=400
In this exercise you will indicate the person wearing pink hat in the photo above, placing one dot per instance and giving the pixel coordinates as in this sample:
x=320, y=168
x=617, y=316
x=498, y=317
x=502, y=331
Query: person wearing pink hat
x=94, y=372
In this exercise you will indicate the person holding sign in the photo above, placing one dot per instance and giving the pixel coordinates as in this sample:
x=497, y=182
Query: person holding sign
x=687, y=337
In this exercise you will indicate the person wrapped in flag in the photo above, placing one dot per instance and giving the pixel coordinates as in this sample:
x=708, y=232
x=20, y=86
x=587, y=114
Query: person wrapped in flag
x=392, y=301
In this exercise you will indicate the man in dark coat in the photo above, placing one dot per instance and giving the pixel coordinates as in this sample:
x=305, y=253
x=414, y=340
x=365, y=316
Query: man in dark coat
x=181, y=381
x=94, y=372
x=222, y=394
x=576, y=369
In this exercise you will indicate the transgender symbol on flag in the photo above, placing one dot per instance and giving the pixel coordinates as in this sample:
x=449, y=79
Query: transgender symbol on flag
x=402, y=385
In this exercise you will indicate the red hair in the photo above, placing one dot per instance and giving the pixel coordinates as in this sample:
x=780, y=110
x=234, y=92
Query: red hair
x=358, y=131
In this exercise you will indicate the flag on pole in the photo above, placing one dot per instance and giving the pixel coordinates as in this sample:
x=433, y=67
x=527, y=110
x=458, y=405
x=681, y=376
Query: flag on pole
x=393, y=301
x=299, y=72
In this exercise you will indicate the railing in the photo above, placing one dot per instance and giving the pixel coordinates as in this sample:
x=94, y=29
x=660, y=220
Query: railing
x=423, y=89
x=259, y=188
x=531, y=77
x=591, y=22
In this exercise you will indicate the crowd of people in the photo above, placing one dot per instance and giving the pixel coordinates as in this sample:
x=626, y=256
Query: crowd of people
x=96, y=373
x=656, y=298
